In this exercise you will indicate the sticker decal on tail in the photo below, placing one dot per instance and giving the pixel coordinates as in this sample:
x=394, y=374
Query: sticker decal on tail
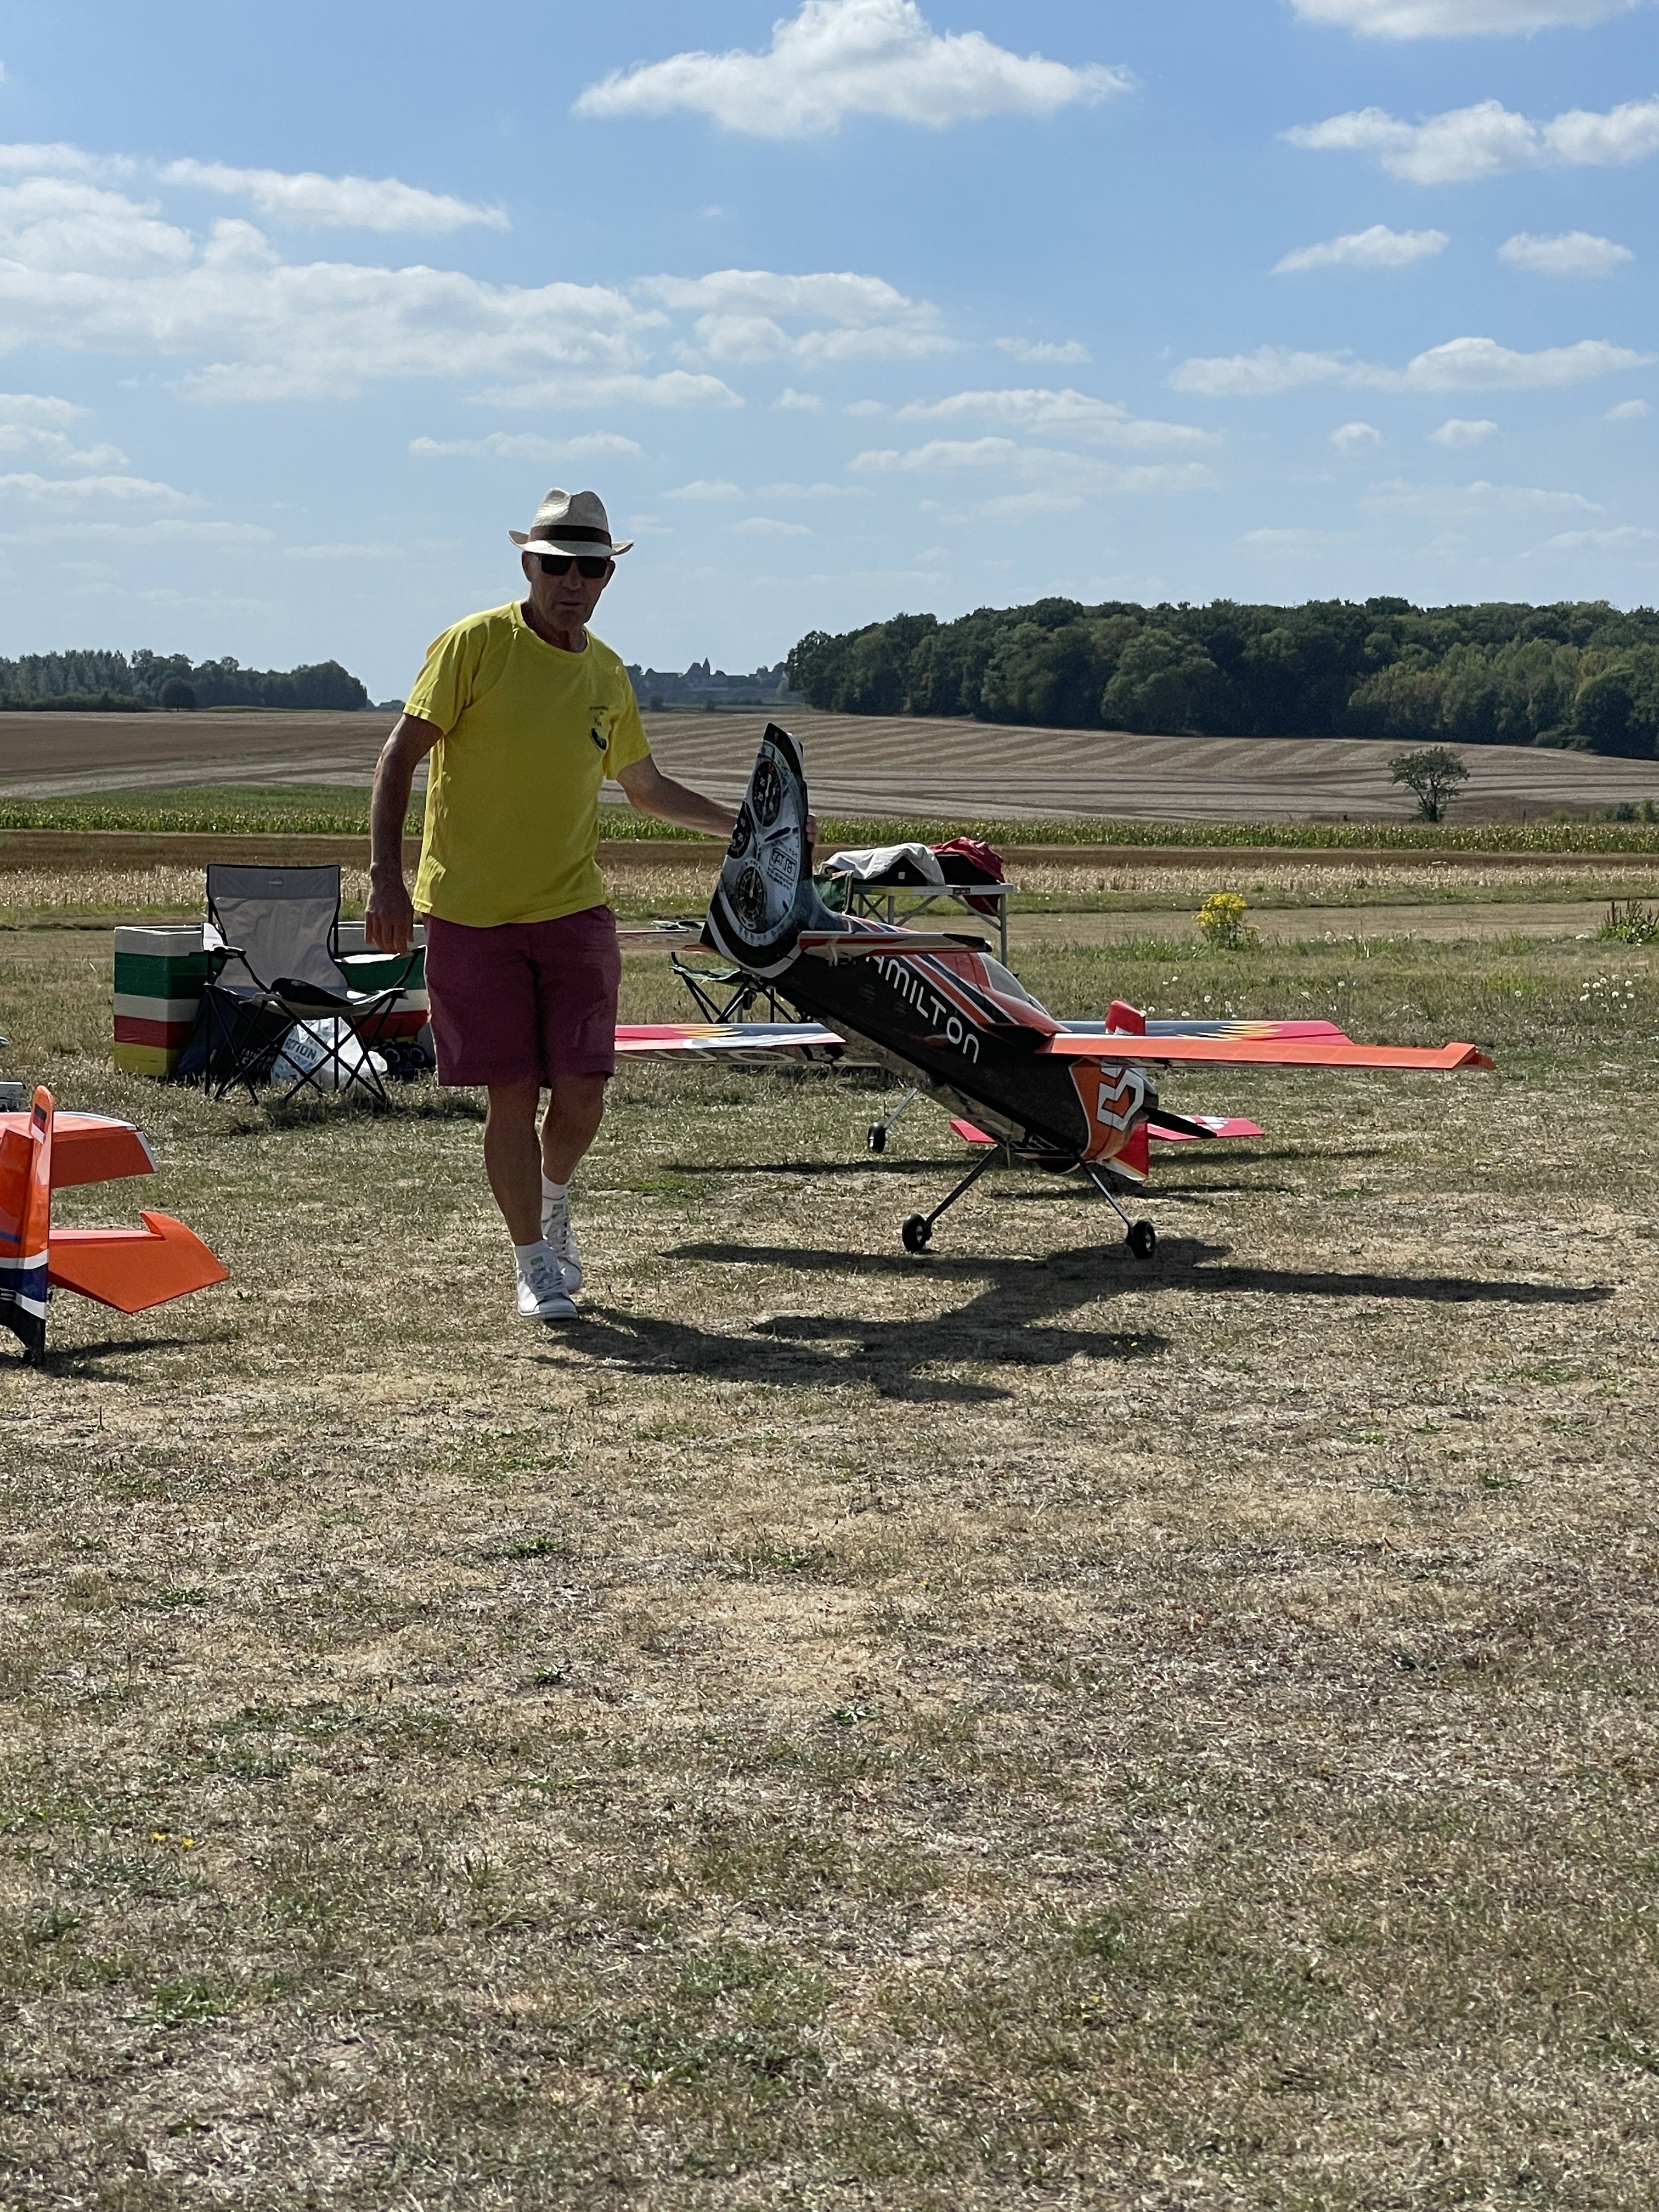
x=765, y=896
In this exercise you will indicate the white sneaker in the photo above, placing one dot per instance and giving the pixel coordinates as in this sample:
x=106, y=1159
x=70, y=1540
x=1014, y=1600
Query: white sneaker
x=542, y=1294
x=558, y=1232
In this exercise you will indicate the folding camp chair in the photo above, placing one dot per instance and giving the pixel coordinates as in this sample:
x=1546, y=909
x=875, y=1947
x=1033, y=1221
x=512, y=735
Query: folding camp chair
x=276, y=934
x=728, y=994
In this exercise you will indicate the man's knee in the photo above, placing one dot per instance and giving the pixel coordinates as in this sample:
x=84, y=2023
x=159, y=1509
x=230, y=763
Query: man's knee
x=578, y=1098
x=511, y=1103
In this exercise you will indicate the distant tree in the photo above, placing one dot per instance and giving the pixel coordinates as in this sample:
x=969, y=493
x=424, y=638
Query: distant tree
x=1163, y=683
x=1483, y=674
x=176, y=693
x=1433, y=774
x=1617, y=711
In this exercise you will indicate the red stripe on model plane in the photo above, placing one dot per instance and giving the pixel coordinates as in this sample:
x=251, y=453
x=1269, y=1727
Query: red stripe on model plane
x=1249, y=1052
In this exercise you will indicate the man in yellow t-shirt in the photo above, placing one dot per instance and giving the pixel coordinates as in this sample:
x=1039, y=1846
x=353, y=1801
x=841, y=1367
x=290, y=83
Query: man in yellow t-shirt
x=525, y=715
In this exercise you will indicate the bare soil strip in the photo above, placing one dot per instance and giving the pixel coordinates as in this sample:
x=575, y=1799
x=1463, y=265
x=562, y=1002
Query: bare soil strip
x=860, y=765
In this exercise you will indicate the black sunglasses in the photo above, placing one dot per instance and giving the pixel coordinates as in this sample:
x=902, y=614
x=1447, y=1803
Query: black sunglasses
x=589, y=566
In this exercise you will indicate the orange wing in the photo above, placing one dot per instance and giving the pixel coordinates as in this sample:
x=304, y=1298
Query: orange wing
x=1263, y=1052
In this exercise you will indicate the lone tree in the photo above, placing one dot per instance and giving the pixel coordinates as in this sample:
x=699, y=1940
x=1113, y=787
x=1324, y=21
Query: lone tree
x=1434, y=775
x=175, y=694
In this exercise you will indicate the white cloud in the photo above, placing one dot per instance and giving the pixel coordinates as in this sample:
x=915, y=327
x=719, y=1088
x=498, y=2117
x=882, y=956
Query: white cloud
x=1457, y=432
x=53, y=449
x=1254, y=375
x=766, y=525
x=59, y=160
x=83, y=271
x=1627, y=411
x=1457, y=19
x=1629, y=539
x=1470, y=364
x=56, y=225
x=1483, y=365
x=1072, y=351
x=1488, y=140
x=39, y=407
x=705, y=488
x=1355, y=437
x=1069, y=471
x=1379, y=247
x=87, y=269
x=333, y=203
x=839, y=58
x=741, y=313
x=812, y=491
x=166, y=530
x=509, y=446
x=674, y=387
x=1102, y=421
x=1575, y=254
x=106, y=491
x=1292, y=541
x=1448, y=501
x=744, y=340
x=825, y=296
x=792, y=402
x=864, y=407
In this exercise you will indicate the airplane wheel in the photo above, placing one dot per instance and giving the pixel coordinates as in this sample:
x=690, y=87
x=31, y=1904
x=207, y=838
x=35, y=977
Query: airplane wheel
x=876, y=1139
x=917, y=1232
x=1143, y=1239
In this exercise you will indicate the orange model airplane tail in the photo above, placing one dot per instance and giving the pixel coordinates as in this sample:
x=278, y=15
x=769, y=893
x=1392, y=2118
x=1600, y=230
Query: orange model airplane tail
x=130, y=1269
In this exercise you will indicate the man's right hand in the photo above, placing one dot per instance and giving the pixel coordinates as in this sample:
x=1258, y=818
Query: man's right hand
x=389, y=917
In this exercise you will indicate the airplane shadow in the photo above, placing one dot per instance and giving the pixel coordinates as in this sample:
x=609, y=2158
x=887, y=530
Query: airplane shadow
x=1181, y=1263
x=1017, y=1318
x=1013, y=1322
x=80, y=1363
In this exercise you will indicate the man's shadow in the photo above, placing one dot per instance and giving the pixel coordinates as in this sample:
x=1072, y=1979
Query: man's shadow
x=1013, y=1320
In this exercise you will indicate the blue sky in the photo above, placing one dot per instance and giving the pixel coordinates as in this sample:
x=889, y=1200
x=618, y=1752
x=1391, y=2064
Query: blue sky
x=854, y=308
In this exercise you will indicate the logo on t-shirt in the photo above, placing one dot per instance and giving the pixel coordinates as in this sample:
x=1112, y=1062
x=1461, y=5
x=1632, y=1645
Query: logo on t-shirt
x=598, y=737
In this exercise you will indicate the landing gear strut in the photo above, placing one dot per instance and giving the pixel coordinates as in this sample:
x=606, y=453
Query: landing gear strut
x=876, y=1135
x=1140, y=1236
x=918, y=1230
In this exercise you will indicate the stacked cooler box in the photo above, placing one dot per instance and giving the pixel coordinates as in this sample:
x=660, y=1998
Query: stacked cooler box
x=378, y=971
x=159, y=975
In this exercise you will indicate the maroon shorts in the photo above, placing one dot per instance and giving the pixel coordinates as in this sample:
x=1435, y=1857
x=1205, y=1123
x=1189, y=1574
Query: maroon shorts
x=524, y=1001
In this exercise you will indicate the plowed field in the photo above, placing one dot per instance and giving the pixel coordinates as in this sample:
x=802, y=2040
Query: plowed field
x=860, y=764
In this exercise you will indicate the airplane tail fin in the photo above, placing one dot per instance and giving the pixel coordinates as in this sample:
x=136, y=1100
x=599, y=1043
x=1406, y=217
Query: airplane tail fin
x=133, y=1269
x=1135, y=1158
x=26, y=1224
x=765, y=896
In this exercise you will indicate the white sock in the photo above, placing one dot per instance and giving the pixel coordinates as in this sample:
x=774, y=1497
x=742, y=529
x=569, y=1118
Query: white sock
x=526, y=1253
x=554, y=1190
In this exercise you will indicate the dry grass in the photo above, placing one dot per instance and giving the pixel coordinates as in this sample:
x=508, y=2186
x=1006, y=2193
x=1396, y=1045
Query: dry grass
x=33, y=897
x=1010, y=1729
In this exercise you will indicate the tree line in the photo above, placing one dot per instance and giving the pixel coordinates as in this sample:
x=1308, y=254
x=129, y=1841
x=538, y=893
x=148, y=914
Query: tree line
x=123, y=682
x=1580, y=674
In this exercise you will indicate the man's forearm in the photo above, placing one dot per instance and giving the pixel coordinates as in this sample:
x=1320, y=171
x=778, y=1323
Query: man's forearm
x=673, y=801
x=388, y=810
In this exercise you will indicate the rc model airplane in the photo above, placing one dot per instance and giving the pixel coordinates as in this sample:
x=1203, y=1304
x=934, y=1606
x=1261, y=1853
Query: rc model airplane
x=936, y=1010
x=130, y=1269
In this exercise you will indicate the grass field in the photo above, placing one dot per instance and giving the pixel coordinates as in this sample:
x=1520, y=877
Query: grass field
x=1012, y=1728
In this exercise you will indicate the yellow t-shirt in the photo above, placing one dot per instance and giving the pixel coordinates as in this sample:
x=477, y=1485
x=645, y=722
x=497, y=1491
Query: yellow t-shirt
x=529, y=732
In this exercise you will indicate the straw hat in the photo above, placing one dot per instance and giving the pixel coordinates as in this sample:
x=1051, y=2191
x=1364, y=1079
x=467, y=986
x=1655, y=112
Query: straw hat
x=569, y=522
